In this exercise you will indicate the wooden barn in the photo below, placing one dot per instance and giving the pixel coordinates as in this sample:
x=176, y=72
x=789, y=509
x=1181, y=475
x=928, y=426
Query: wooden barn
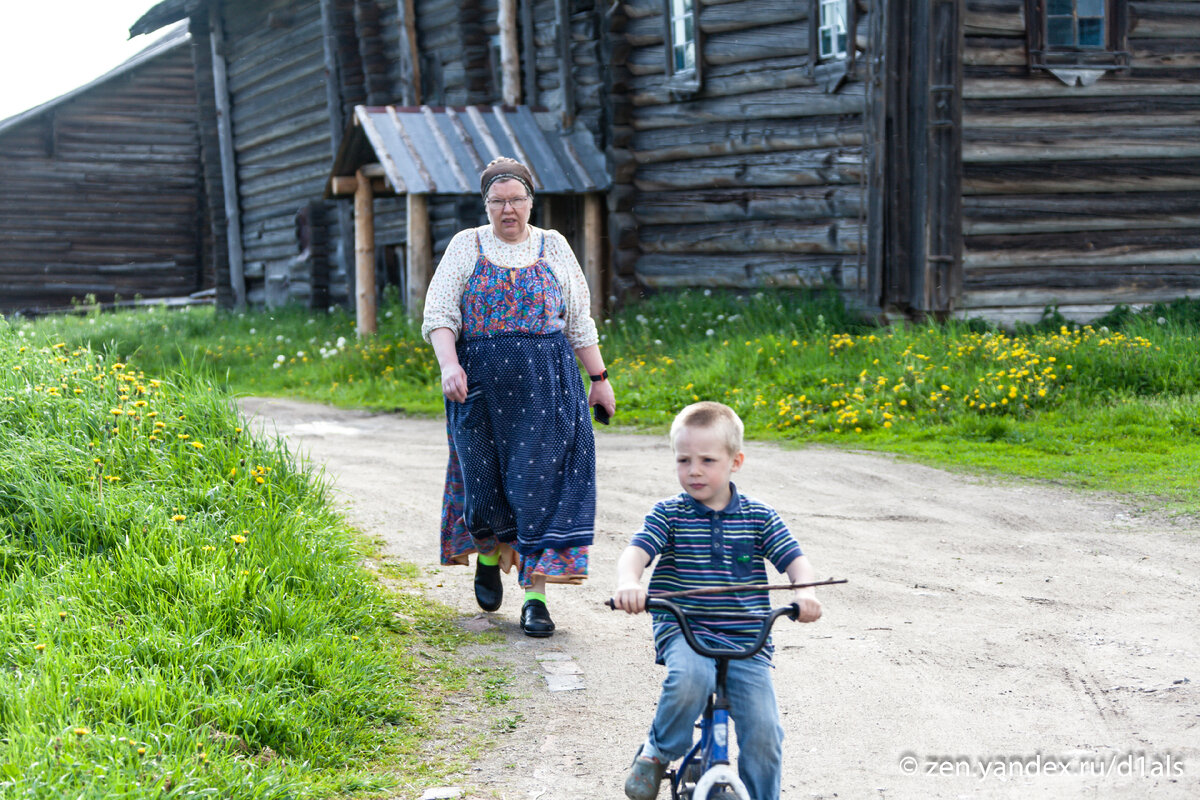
x=285, y=78
x=930, y=157
x=101, y=189
x=927, y=157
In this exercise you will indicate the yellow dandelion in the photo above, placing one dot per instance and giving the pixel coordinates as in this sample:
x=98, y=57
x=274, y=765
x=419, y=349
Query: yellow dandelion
x=62, y=615
x=196, y=445
x=116, y=412
x=141, y=751
x=208, y=548
x=259, y=479
x=112, y=478
x=182, y=436
x=178, y=518
x=39, y=647
x=237, y=538
x=245, y=572
x=82, y=731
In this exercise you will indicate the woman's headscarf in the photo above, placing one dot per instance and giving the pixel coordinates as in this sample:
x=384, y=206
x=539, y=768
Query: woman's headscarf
x=501, y=169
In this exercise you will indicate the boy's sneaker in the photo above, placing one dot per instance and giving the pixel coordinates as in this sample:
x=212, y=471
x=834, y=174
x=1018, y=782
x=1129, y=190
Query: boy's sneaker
x=644, y=778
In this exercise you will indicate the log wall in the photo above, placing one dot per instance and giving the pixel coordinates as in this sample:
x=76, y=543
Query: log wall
x=276, y=67
x=103, y=193
x=755, y=180
x=1082, y=197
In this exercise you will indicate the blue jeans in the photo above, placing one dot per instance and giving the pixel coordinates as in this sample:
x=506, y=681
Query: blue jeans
x=691, y=678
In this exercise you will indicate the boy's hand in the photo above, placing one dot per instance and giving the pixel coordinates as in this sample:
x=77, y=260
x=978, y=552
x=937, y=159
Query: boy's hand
x=630, y=598
x=810, y=607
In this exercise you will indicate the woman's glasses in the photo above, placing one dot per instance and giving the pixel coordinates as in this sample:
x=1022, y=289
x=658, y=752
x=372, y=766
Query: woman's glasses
x=517, y=203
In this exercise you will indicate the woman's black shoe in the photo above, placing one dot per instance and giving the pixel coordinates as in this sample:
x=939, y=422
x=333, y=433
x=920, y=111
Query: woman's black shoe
x=535, y=619
x=489, y=590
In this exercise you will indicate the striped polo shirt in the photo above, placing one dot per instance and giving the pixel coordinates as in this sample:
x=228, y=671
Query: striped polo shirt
x=698, y=547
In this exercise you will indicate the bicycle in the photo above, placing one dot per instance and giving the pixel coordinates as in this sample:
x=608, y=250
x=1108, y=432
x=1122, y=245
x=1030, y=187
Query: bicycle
x=705, y=772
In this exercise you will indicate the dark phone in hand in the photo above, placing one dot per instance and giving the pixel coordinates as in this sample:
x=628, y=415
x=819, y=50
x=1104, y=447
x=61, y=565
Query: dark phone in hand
x=600, y=414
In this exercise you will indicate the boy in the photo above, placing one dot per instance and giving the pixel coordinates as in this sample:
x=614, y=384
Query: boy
x=711, y=536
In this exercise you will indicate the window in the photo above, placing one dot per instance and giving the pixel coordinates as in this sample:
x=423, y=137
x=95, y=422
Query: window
x=832, y=32
x=1077, y=40
x=831, y=41
x=683, y=46
x=1075, y=24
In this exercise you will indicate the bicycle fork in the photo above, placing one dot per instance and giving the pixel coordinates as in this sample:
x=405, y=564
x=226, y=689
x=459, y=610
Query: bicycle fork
x=707, y=766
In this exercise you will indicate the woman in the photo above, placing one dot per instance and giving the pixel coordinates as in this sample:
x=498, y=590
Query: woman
x=507, y=313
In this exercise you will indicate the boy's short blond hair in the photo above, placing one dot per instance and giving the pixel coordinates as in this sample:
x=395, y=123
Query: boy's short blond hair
x=716, y=416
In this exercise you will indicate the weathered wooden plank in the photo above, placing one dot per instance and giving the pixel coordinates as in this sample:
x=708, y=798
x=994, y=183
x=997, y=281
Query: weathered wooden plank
x=797, y=168
x=745, y=136
x=1104, y=298
x=1100, y=141
x=1126, y=256
x=1060, y=213
x=740, y=271
x=1165, y=20
x=730, y=79
x=760, y=105
x=1073, y=177
x=763, y=236
x=742, y=16
x=983, y=89
x=730, y=205
x=776, y=41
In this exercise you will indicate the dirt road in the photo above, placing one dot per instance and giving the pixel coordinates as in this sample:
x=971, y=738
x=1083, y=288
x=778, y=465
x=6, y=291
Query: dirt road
x=994, y=640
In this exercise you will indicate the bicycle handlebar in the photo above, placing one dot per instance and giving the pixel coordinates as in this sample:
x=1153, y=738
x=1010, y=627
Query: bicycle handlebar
x=792, y=612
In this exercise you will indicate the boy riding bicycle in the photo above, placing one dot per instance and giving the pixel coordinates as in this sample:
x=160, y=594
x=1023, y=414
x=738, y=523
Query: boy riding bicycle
x=710, y=535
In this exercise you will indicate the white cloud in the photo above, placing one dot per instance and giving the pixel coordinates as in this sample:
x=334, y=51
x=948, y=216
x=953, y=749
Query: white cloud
x=50, y=47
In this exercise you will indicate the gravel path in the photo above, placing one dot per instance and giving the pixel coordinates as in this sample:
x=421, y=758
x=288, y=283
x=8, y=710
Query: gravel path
x=995, y=640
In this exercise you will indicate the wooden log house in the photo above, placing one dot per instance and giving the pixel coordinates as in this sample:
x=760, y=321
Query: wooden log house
x=927, y=157
x=290, y=75
x=100, y=190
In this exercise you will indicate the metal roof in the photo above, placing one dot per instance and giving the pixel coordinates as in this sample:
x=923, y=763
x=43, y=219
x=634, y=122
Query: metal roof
x=428, y=150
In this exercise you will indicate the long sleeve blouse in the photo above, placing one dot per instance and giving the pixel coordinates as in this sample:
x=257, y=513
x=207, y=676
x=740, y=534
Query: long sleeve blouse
x=443, y=307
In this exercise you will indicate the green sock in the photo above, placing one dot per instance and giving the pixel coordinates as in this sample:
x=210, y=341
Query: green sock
x=489, y=561
x=534, y=596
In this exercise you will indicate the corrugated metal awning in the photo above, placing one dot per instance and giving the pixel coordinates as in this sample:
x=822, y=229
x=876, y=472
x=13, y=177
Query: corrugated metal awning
x=428, y=150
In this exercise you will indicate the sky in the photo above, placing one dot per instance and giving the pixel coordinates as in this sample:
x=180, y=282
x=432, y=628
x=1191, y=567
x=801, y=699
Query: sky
x=49, y=47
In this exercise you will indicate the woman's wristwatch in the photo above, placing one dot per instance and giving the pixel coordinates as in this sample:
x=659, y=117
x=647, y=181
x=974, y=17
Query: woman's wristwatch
x=603, y=376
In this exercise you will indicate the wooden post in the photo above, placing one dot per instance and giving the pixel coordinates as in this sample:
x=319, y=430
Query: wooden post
x=337, y=127
x=418, y=257
x=593, y=249
x=410, y=62
x=364, y=254
x=562, y=19
x=237, y=270
x=510, y=62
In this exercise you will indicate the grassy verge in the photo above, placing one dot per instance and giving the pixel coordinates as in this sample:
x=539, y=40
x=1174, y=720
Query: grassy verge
x=184, y=615
x=1110, y=406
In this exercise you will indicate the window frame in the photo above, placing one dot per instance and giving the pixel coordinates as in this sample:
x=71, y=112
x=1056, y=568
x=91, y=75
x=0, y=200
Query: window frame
x=686, y=81
x=831, y=72
x=1112, y=56
x=842, y=55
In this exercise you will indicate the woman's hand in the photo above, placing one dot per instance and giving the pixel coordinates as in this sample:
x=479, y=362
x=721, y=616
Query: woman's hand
x=454, y=383
x=601, y=394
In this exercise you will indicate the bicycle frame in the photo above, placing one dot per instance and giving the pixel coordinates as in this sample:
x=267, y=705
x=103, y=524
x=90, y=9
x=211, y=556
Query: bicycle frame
x=706, y=766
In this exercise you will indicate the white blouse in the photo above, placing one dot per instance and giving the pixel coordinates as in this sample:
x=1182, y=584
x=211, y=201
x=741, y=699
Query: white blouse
x=443, y=299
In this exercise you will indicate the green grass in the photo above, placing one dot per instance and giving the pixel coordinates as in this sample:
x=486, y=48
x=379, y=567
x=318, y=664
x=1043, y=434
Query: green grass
x=184, y=614
x=1111, y=406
